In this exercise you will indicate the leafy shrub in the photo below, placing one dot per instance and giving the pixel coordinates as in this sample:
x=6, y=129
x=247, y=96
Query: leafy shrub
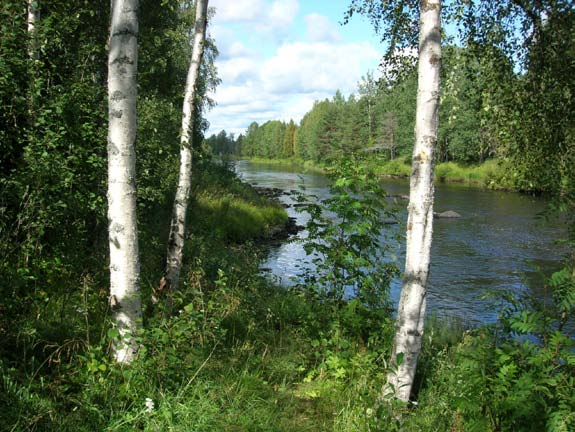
x=516, y=375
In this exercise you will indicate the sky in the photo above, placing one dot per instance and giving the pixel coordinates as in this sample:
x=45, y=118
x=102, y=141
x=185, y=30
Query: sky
x=279, y=56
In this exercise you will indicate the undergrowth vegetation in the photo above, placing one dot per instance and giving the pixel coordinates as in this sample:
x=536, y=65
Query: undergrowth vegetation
x=241, y=354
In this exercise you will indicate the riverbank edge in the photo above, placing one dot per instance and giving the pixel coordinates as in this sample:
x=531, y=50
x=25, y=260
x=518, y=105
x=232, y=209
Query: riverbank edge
x=247, y=214
x=490, y=174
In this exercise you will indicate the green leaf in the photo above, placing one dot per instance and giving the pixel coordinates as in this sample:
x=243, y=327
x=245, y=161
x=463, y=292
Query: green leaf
x=113, y=333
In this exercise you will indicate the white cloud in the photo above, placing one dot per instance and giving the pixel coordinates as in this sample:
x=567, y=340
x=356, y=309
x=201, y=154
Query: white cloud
x=284, y=85
x=238, y=10
x=238, y=70
x=282, y=13
x=307, y=67
x=230, y=47
x=238, y=49
x=261, y=16
x=320, y=28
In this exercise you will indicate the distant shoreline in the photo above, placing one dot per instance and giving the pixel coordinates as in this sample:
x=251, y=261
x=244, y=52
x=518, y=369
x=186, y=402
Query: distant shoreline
x=489, y=175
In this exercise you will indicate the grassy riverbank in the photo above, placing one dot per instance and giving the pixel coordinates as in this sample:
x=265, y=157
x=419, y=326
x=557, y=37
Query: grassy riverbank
x=489, y=175
x=233, y=210
x=296, y=164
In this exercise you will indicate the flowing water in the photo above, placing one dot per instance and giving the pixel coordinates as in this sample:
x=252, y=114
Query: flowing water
x=499, y=243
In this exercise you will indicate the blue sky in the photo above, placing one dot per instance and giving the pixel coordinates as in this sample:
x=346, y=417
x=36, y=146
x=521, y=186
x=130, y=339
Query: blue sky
x=278, y=56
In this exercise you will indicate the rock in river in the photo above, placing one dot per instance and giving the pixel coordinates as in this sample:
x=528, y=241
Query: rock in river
x=449, y=214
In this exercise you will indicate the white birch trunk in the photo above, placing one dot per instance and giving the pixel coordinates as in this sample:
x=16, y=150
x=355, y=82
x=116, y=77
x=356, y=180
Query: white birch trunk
x=175, y=251
x=123, y=233
x=32, y=20
x=411, y=312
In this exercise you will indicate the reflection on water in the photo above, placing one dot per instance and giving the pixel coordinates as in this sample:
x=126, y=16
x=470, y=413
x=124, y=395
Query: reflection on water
x=499, y=243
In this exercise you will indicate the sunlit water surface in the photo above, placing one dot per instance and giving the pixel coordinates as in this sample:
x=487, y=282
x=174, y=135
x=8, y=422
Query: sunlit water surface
x=499, y=243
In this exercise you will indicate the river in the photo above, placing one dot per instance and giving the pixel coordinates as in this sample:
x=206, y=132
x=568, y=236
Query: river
x=498, y=244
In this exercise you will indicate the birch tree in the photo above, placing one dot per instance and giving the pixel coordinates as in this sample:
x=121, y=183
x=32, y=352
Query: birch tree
x=123, y=233
x=411, y=311
x=32, y=21
x=169, y=281
x=395, y=20
x=33, y=16
x=367, y=89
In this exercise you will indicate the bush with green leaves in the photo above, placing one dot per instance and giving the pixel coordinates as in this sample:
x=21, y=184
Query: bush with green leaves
x=348, y=241
x=515, y=375
x=349, y=237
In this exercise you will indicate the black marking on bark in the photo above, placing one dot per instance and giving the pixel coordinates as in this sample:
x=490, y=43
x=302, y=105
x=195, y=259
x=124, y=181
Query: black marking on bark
x=116, y=113
x=415, y=177
x=431, y=141
x=413, y=277
x=115, y=242
x=123, y=60
x=117, y=96
x=114, y=303
x=125, y=32
x=112, y=149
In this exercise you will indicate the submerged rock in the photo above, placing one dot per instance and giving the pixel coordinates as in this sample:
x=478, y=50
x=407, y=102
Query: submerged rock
x=269, y=192
x=449, y=214
x=283, y=232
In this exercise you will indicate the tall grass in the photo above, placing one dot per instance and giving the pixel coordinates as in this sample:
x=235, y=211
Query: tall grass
x=236, y=218
x=249, y=356
x=489, y=174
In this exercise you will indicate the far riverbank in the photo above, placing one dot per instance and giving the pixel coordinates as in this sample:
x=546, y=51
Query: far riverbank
x=490, y=174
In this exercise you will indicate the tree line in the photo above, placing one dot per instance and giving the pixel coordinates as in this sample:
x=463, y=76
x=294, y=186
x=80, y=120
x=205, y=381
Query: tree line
x=500, y=99
x=380, y=118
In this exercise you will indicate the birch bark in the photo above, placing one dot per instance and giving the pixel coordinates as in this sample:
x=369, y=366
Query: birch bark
x=169, y=282
x=411, y=311
x=123, y=233
x=32, y=20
